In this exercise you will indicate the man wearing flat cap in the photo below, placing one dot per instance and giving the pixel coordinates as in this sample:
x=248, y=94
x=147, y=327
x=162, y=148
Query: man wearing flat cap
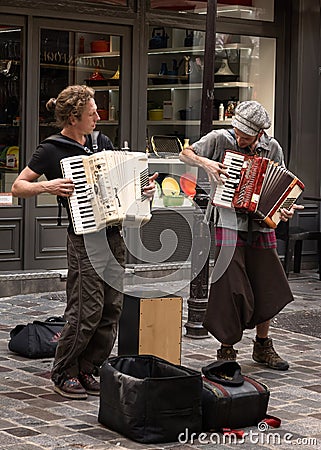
x=253, y=287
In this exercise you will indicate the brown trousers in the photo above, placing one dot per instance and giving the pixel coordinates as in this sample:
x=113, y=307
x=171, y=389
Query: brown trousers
x=252, y=290
x=94, y=302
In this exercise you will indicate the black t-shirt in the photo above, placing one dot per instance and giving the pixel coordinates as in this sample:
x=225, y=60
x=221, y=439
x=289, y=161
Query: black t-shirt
x=46, y=159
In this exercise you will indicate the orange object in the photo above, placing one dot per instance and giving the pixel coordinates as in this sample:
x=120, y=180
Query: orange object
x=100, y=46
x=103, y=114
x=188, y=184
x=97, y=75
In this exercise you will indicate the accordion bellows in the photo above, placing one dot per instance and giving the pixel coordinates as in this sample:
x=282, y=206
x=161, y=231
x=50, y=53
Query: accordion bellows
x=258, y=186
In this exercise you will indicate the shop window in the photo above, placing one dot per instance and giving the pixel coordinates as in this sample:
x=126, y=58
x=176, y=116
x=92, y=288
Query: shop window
x=244, y=70
x=241, y=9
x=10, y=111
x=90, y=59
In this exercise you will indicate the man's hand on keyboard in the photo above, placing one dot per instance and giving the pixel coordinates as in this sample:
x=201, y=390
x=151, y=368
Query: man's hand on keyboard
x=217, y=171
x=60, y=186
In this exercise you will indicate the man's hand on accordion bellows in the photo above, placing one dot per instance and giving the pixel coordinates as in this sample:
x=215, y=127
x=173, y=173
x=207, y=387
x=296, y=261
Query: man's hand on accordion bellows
x=150, y=189
x=286, y=214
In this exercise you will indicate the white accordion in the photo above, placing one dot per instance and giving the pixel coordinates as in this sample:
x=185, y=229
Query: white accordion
x=108, y=189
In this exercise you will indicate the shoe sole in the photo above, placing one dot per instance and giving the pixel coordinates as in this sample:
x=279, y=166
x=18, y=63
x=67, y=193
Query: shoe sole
x=267, y=365
x=96, y=393
x=70, y=395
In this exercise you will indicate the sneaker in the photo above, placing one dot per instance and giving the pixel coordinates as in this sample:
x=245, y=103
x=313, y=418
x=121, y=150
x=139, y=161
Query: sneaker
x=71, y=388
x=265, y=354
x=226, y=354
x=89, y=383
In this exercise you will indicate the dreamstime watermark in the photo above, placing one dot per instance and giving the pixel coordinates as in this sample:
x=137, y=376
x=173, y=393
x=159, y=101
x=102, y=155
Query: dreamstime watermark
x=167, y=241
x=262, y=436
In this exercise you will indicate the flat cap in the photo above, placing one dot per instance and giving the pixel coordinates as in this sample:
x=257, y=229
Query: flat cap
x=251, y=117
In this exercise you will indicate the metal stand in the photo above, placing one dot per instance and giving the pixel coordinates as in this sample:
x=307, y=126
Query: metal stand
x=197, y=301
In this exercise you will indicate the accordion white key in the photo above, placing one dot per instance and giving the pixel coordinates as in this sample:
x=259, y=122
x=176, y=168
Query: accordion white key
x=108, y=189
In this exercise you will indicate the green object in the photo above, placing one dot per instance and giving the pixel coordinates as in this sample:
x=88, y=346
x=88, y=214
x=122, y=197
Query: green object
x=171, y=200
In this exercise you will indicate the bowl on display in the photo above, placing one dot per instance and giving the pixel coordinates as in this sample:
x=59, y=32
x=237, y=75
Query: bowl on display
x=170, y=187
x=155, y=114
x=188, y=184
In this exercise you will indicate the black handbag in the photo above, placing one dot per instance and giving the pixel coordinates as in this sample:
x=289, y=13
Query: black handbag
x=148, y=399
x=230, y=399
x=37, y=339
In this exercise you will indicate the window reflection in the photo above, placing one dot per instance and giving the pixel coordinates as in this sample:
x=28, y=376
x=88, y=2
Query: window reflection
x=194, y=6
x=247, y=9
x=244, y=70
x=241, y=9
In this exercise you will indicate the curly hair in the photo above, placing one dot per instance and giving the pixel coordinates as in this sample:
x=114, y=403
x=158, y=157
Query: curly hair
x=70, y=102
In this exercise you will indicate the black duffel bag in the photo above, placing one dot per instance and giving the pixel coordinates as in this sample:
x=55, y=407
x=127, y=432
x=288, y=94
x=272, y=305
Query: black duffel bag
x=148, y=399
x=37, y=339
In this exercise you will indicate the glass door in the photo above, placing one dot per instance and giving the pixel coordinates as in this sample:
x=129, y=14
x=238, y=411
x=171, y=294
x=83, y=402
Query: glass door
x=91, y=59
x=66, y=55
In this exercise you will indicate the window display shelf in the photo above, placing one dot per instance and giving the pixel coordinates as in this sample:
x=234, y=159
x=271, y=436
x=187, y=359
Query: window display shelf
x=107, y=122
x=228, y=84
x=167, y=51
x=159, y=87
x=105, y=88
x=98, y=55
x=173, y=122
x=166, y=122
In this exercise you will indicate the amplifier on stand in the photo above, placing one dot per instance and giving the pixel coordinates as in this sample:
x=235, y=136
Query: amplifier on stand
x=151, y=326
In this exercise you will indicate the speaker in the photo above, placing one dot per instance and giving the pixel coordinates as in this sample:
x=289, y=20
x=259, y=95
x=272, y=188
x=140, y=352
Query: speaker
x=151, y=326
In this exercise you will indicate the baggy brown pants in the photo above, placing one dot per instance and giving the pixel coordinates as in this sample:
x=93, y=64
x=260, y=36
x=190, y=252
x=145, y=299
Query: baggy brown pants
x=252, y=290
x=93, y=305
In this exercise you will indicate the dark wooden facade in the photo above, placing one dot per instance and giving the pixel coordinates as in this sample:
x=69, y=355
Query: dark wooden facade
x=29, y=236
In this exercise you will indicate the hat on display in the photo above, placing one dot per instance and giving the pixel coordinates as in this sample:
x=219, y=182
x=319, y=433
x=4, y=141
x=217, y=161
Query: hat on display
x=251, y=117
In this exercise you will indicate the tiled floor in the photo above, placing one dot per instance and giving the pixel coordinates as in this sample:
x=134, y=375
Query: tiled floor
x=32, y=416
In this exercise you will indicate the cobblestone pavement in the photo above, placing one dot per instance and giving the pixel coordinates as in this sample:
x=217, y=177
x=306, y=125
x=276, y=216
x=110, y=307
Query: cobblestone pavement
x=34, y=417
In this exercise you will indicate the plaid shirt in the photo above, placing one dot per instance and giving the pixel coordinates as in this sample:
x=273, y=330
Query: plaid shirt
x=225, y=237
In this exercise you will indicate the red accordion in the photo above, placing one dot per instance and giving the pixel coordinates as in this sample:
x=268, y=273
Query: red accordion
x=258, y=186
